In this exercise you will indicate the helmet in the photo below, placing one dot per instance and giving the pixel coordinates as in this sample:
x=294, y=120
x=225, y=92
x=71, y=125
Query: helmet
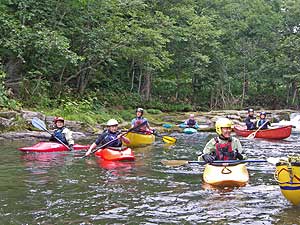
x=250, y=110
x=263, y=113
x=58, y=118
x=192, y=115
x=223, y=122
x=112, y=122
x=140, y=110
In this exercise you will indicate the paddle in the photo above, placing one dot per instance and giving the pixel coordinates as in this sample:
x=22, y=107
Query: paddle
x=39, y=124
x=185, y=162
x=129, y=130
x=252, y=135
x=166, y=139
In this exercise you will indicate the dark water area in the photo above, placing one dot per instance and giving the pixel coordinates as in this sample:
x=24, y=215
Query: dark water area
x=60, y=188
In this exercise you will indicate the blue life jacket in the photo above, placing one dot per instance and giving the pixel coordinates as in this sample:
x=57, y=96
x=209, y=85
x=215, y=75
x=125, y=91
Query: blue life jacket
x=261, y=122
x=58, y=133
x=191, y=123
x=111, y=136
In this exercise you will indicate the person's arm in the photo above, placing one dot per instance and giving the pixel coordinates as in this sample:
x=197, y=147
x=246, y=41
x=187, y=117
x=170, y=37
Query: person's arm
x=97, y=142
x=132, y=123
x=90, y=149
x=69, y=136
x=208, y=151
x=125, y=139
x=238, y=149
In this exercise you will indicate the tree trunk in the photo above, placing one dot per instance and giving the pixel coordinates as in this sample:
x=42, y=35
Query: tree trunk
x=147, y=85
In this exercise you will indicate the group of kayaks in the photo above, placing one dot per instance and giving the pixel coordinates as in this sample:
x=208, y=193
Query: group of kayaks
x=112, y=154
x=218, y=175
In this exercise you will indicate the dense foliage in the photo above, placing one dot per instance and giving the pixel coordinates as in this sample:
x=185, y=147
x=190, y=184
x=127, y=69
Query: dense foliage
x=163, y=54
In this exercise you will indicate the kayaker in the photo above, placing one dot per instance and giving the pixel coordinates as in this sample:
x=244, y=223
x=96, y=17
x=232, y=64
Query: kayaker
x=140, y=119
x=223, y=147
x=250, y=120
x=263, y=122
x=112, y=133
x=62, y=133
x=191, y=122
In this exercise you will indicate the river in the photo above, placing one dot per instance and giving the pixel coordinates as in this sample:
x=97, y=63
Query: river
x=60, y=188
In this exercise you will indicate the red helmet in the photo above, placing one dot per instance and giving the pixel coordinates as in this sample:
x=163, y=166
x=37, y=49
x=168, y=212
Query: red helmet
x=58, y=118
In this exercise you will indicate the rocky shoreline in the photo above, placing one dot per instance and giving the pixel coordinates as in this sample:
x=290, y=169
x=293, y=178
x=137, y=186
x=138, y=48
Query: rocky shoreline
x=11, y=120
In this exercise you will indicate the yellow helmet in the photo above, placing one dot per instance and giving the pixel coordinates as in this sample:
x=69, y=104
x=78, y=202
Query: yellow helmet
x=112, y=122
x=223, y=122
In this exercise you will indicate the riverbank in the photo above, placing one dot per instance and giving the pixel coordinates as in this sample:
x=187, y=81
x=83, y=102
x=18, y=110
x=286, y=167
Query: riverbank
x=17, y=124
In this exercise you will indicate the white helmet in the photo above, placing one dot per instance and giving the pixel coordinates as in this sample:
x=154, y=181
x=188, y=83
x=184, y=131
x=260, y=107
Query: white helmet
x=112, y=122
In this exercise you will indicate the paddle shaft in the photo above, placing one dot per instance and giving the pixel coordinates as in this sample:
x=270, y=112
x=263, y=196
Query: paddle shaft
x=106, y=144
x=221, y=162
x=41, y=125
x=229, y=161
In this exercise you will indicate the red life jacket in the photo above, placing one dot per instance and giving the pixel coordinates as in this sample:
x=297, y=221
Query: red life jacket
x=224, y=151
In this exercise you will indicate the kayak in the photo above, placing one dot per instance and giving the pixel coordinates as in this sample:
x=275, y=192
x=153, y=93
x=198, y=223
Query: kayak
x=288, y=177
x=273, y=133
x=51, y=147
x=138, y=139
x=115, y=154
x=189, y=130
x=226, y=175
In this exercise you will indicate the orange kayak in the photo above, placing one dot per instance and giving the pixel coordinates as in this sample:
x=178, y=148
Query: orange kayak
x=115, y=154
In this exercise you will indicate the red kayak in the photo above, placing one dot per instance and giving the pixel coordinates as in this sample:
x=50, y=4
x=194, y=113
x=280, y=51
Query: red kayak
x=115, y=154
x=273, y=133
x=51, y=147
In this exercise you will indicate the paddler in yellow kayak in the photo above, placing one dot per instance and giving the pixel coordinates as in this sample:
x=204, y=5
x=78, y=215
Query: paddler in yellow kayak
x=146, y=129
x=112, y=133
x=223, y=147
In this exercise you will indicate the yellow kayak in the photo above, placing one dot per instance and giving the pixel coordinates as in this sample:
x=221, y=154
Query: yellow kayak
x=226, y=175
x=137, y=139
x=287, y=175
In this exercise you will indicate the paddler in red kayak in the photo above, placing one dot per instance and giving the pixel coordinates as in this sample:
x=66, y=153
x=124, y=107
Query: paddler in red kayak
x=223, y=147
x=140, y=119
x=250, y=120
x=62, y=133
x=263, y=121
x=112, y=133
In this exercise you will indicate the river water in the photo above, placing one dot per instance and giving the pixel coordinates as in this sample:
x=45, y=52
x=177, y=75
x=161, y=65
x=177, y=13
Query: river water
x=60, y=188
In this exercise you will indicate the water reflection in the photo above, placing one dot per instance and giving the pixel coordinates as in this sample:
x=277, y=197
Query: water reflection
x=62, y=189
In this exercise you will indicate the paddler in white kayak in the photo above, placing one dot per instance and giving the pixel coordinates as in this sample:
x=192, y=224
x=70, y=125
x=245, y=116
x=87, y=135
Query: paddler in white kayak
x=223, y=147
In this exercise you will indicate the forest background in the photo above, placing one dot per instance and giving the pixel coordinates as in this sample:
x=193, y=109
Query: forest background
x=90, y=59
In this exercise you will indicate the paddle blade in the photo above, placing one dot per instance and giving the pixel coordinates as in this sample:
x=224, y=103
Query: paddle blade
x=251, y=136
x=39, y=124
x=274, y=160
x=169, y=140
x=174, y=162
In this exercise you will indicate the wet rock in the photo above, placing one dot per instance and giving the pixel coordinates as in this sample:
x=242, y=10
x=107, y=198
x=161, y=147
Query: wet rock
x=29, y=115
x=9, y=114
x=36, y=135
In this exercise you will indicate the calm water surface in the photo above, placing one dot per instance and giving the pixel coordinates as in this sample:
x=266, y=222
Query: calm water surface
x=58, y=188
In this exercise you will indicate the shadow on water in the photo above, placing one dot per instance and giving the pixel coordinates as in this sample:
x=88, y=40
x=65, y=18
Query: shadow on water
x=59, y=188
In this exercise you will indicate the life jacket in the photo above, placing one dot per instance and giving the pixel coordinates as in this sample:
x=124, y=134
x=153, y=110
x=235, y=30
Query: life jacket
x=224, y=151
x=58, y=133
x=261, y=122
x=191, y=123
x=138, y=121
x=111, y=136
